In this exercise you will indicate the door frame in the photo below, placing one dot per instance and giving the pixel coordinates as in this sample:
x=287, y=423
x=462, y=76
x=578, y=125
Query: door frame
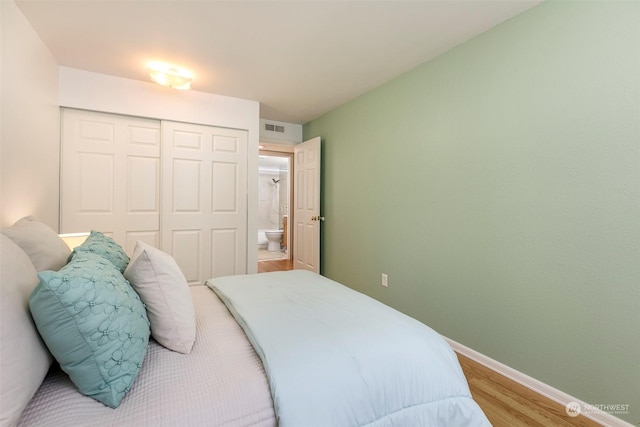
x=281, y=150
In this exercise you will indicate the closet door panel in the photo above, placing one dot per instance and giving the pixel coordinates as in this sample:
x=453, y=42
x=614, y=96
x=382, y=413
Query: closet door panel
x=185, y=185
x=186, y=250
x=143, y=195
x=94, y=183
x=224, y=253
x=224, y=181
x=110, y=176
x=205, y=186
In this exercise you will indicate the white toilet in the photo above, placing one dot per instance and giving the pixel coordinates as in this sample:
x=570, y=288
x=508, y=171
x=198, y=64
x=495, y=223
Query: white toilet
x=275, y=238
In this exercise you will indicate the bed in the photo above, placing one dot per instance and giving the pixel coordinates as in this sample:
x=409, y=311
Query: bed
x=284, y=348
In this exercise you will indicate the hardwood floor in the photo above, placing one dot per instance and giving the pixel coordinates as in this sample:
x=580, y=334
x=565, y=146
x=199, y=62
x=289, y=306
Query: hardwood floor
x=275, y=265
x=505, y=402
x=509, y=404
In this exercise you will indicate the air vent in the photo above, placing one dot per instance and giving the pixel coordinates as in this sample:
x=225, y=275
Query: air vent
x=273, y=128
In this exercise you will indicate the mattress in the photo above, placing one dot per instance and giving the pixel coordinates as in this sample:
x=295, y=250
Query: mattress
x=220, y=383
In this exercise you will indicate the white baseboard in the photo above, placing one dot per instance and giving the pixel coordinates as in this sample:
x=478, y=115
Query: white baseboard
x=539, y=387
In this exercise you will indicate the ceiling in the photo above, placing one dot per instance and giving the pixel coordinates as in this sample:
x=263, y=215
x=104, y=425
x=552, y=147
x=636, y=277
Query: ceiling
x=298, y=58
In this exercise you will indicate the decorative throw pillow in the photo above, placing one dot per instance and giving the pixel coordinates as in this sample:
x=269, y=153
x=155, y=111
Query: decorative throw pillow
x=94, y=325
x=99, y=244
x=43, y=245
x=24, y=359
x=158, y=280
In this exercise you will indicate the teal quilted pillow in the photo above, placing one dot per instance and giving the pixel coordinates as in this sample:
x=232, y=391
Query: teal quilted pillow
x=99, y=244
x=94, y=324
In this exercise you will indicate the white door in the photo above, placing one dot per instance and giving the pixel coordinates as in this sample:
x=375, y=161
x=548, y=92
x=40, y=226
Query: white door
x=110, y=176
x=306, y=201
x=204, y=206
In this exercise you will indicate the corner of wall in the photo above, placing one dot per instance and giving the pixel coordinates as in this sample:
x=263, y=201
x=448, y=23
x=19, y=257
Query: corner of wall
x=30, y=123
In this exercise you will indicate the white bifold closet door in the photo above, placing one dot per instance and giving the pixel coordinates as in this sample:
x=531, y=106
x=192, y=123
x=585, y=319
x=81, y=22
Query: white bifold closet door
x=179, y=187
x=204, y=203
x=110, y=176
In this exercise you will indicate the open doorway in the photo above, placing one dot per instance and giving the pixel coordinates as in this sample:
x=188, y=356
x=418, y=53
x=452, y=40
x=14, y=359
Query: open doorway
x=274, y=205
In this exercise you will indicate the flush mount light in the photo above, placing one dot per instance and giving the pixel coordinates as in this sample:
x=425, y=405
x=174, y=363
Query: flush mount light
x=170, y=75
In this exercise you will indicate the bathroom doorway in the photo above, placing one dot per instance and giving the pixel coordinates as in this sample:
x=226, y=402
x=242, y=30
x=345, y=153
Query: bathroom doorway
x=274, y=205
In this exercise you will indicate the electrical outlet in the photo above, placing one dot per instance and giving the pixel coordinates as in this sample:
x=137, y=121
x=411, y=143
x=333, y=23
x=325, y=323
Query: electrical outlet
x=385, y=280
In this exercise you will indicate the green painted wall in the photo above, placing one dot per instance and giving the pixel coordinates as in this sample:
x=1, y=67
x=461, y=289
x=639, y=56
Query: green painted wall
x=499, y=187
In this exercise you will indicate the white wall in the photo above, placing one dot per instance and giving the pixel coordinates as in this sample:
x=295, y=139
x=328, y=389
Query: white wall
x=292, y=133
x=99, y=92
x=29, y=123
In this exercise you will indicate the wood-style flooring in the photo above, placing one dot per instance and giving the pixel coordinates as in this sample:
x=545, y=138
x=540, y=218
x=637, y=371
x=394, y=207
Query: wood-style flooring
x=509, y=404
x=275, y=265
x=504, y=402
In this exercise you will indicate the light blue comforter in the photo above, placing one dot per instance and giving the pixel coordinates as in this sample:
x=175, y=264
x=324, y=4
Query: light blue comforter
x=335, y=357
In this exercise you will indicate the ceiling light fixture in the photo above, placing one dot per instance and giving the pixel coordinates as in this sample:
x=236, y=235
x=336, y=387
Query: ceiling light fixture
x=170, y=75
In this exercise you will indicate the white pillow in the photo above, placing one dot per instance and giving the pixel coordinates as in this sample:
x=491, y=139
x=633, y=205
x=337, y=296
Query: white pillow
x=43, y=245
x=24, y=359
x=158, y=280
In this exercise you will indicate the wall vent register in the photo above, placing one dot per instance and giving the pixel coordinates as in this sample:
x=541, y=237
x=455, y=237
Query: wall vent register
x=273, y=128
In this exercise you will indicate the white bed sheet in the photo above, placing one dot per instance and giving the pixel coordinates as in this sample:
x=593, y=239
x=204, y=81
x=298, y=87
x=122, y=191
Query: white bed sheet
x=220, y=383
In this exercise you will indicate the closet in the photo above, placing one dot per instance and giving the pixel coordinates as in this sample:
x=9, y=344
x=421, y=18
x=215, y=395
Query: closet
x=180, y=187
